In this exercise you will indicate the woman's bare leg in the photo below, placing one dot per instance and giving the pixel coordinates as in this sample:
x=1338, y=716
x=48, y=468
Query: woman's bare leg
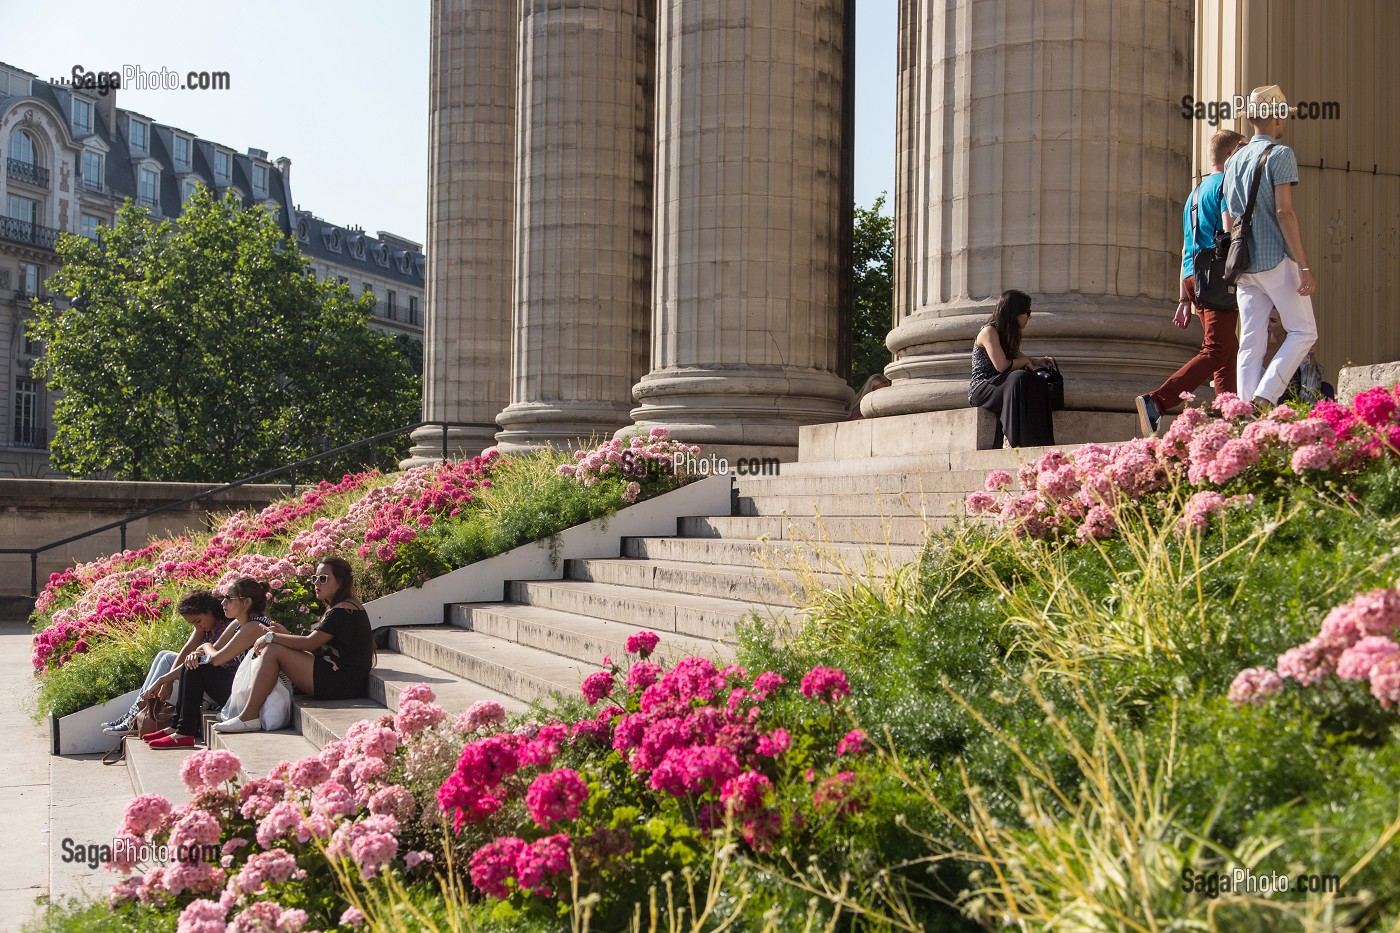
x=277, y=658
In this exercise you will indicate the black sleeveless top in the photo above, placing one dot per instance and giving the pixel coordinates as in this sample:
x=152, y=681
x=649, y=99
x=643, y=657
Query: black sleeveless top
x=983, y=369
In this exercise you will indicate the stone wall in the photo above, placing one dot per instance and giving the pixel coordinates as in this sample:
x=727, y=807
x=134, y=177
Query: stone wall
x=34, y=512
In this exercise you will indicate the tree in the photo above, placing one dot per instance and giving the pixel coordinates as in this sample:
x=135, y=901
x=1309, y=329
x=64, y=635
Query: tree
x=208, y=351
x=872, y=290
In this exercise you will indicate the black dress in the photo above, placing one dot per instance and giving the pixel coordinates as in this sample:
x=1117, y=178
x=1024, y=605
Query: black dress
x=1019, y=399
x=341, y=668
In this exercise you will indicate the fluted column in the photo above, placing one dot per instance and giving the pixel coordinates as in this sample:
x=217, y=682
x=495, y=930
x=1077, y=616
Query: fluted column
x=582, y=219
x=1040, y=148
x=746, y=337
x=471, y=168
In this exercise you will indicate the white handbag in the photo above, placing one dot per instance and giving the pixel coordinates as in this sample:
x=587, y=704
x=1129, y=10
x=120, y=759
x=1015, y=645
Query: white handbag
x=276, y=712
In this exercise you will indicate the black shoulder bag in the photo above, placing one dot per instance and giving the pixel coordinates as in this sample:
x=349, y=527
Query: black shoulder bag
x=1213, y=293
x=1237, y=255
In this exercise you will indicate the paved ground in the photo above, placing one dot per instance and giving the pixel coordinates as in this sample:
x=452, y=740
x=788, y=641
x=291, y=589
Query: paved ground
x=86, y=808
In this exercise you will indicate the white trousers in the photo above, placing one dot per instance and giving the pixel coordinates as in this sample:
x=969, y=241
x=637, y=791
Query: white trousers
x=1258, y=294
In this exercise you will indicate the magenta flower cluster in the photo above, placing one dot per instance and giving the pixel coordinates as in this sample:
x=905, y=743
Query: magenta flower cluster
x=1079, y=493
x=1357, y=641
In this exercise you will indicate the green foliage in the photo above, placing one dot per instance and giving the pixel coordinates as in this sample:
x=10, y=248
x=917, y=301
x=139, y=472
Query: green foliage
x=95, y=916
x=872, y=288
x=208, y=351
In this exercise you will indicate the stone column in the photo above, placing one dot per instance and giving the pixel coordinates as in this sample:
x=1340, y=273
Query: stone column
x=471, y=172
x=746, y=338
x=1041, y=148
x=582, y=218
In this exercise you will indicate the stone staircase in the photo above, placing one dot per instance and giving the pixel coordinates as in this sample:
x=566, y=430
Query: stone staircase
x=824, y=521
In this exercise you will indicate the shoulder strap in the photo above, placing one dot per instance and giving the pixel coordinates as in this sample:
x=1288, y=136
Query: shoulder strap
x=1195, y=203
x=1254, y=185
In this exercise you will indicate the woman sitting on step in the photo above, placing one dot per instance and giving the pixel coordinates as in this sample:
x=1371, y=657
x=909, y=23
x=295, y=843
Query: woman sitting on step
x=1004, y=380
x=205, y=614
x=211, y=666
x=331, y=662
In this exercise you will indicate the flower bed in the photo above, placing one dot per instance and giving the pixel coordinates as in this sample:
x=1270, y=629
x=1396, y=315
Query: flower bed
x=98, y=624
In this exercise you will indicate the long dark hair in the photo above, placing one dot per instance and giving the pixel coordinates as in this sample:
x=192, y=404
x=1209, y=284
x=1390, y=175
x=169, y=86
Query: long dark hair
x=254, y=591
x=344, y=576
x=1004, y=320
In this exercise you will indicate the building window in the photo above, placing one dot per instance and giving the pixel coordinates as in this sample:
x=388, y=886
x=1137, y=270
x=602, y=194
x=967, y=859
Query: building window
x=223, y=166
x=27, y=413
x=260, y=180
x=413, y=309
x=343, y=280
x=140, y=139
x=182, y=151
x=28, y=346
x=392, y=305
x=82, y=114
x=146, y=190
x=23, y=209
x=190, y=188
x=28, y=279
x=90, y=225
x=22, y=148
x=367, y=288
x=91, y=170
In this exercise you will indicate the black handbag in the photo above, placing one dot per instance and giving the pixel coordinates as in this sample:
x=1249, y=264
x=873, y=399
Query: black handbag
x=1237, y=256
x=1213, y=293
x=1054, y=386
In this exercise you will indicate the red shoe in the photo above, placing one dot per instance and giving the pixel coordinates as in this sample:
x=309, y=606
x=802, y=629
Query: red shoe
x=175, y=741
x=158, y=734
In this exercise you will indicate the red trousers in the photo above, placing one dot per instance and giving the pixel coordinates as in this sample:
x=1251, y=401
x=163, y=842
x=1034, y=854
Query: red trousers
x=1216, y=358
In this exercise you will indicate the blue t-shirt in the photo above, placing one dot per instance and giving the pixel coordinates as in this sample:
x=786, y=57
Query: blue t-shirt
x=1207, y=221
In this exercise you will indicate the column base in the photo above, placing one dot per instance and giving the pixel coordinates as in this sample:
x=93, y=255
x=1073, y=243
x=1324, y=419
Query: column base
x=460, y=443
x=739, y=406
x=530, y=425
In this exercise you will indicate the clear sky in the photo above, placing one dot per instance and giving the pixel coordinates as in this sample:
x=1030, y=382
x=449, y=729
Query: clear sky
x=340, y=88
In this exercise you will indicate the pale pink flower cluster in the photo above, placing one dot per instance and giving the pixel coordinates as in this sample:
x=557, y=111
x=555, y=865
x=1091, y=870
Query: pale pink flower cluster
x=480, y=716
x=633, y=458
x=1357, y=641
x=208, y=768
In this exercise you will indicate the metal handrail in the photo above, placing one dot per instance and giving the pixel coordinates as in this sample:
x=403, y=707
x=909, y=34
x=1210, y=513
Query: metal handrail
x=208, y=494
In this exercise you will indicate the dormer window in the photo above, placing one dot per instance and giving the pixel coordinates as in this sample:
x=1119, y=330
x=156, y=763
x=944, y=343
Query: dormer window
x=223, y=167
x=139, y=134
x=82, y=114
x=190, y=187
x=359, y=248
x=381, y=254
x=90, y=170
x=148, y=185
x=260, y=180
x=332, y=238
x=403, y=263
x=182, y=151
x=303, y=230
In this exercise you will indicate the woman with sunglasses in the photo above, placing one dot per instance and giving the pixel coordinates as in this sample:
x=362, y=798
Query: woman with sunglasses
x=1004, y=380
x=211, y=666
x=331, y=662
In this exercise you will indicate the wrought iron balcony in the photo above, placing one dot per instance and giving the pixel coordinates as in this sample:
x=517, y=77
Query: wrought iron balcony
x=33, y=436
x=22, y=231
x=27, y=172
x=146, y=200
x=93, y=184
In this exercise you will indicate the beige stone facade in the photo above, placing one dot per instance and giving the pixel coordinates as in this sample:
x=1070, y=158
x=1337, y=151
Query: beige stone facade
x=582, y=219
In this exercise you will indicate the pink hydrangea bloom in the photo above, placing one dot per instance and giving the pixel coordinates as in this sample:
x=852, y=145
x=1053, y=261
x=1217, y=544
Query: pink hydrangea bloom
x=827, y=684
x=1385, y=680
x=1254, y=685
x=596, y=686
x=774, y=743
x=1312, y=661
x=1311, y=457
x=493, y=865
x=556, y=796
x=145, y=814
x=643, y=643
x=852, y=743
x=420, y=692
x=482, y=714
x=415, y=716
x=997, y=480
x=1357, y=662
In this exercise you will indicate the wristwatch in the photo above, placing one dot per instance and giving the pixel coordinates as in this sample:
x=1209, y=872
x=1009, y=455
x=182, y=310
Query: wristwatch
x=267, y=639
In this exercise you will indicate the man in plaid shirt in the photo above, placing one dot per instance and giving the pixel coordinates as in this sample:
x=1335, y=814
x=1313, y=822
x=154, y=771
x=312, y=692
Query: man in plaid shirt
x=1278, y=274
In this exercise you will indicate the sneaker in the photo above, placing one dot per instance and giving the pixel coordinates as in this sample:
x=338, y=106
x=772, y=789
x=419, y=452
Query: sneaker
x=175, y=741
x=158, y=734
x=120, y=727
x=239, y=725
x=1148, y=415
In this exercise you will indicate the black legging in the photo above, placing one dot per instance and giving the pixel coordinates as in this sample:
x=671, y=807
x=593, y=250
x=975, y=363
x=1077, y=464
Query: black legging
x=1021, y=400
x=194, y=684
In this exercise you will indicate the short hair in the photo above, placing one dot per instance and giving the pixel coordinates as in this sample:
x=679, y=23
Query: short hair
x=1222, y=143
x=198, y=602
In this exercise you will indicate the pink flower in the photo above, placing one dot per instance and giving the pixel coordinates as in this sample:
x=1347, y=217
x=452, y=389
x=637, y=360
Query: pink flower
x=835, y=794
x=852, y=743
x=308, y=773
x=997, y=480
x=420, y=692
x=203, y=916
x=1374, y=613
x=1375, y=406
x=766, y=683
x=980, y=502
x=1232, y=407
x=1312, y=661
x=416, y=716
x=1254, y=685
x=494, y=864
x=480, y=715
x=352, y=917
x=556, y=796
x=827, y=684
x=145, y=814
x=642, y=675
x=1311, y=457
x=747, y=792
x=1360, y=659
x=208, y=767
x=596, y=686
x=774, y=743
x=1385, y=680
x=541, y=860
x=643, y=643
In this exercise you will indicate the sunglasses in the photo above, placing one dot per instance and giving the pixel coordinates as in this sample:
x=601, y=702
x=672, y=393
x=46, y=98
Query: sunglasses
x=224, y=599
x=321, y=578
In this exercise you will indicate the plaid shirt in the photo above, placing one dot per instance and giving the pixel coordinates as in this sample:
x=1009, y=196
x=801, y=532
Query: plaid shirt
x=1266, y=244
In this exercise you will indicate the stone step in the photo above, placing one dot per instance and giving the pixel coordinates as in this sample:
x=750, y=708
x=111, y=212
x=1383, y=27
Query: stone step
x=842, y=529
x=818, y=555
x=905, y=505
x=260, y=752
x=575, y=636
x=525, y=673
x=971, y=461
x=911, y=482
x=394, y=671
x=323, y=721
x=156, y=770
x=725, y=581
x=684, y=613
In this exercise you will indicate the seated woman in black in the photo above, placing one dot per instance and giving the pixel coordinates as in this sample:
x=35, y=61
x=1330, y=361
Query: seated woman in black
x=209, y=669
x=332, y=662
x=1004, y=380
